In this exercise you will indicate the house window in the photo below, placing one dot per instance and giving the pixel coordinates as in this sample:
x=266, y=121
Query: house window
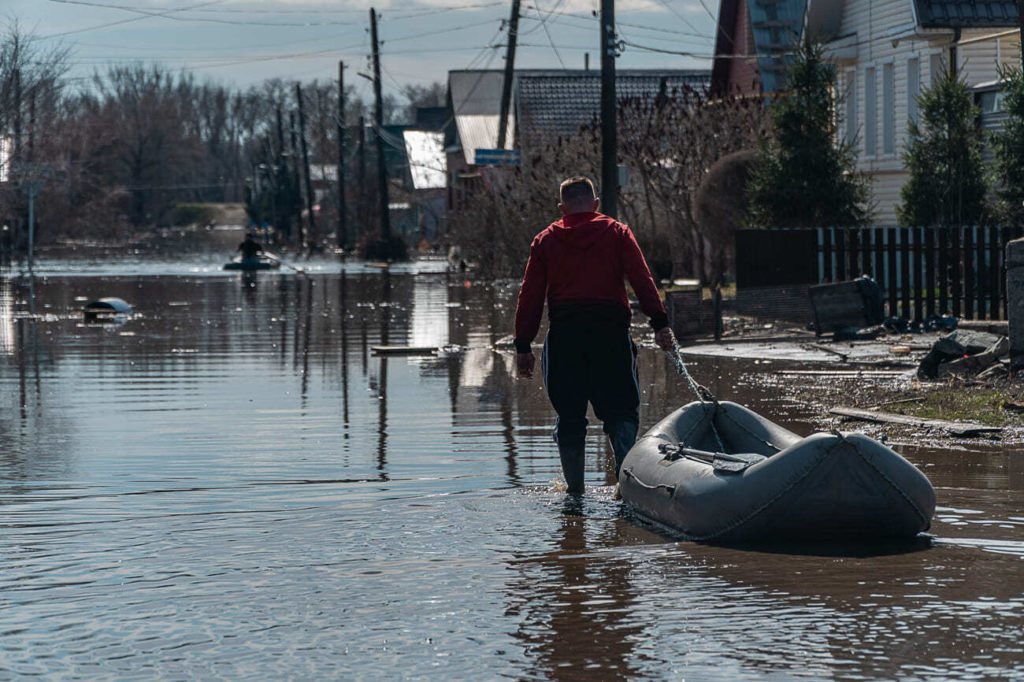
x=870, y=113
x=851, y=106
x=913, y=87
x=937, y=64
x=888, y=109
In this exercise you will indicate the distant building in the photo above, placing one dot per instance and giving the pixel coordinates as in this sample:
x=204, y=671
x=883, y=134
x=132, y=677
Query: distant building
x=886, y=53
x=544, y=102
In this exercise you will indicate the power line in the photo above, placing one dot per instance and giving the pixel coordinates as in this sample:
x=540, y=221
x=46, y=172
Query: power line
x=438, y=32
x=127, y=21
x=677, y=35
x=543, y=23
x=169, y=15
x=673, y=10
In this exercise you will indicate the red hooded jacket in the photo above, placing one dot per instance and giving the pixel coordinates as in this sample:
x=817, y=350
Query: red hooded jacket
x=580, y=263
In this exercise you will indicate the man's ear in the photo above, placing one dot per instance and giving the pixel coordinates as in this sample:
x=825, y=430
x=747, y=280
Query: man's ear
x=597, y=203
x=562, y=208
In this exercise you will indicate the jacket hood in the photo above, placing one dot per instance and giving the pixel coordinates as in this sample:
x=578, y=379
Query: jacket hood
x=582, y=230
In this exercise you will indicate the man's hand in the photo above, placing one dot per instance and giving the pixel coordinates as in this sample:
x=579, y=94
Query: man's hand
x=525, y=362
x=664, y=338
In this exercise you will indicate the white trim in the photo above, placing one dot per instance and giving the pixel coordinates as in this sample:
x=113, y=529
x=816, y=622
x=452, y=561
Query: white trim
x=870, y=118
x=886, y=110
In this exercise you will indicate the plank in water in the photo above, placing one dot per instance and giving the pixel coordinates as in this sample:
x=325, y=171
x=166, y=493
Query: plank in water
x=953, y=428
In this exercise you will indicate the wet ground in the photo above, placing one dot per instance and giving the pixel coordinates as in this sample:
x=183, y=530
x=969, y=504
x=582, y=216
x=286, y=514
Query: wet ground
x=232, y=484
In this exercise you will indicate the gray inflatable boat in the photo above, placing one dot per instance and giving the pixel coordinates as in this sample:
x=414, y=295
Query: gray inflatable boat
x=749, y=480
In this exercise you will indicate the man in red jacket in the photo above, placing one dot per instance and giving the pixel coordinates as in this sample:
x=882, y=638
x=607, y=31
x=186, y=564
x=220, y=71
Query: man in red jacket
x=578, y=264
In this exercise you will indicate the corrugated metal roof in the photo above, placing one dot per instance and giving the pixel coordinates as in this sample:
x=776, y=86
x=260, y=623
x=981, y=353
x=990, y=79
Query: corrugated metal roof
x=426, y=159
x=559, y=102
x=477, y=131
x=475, y=98
x=967, y=13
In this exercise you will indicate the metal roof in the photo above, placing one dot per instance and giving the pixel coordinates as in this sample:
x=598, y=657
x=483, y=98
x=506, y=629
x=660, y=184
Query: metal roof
x=475, y=99
x=479, y=131
x=426, y=159
x=967, y=13
x=559, y=102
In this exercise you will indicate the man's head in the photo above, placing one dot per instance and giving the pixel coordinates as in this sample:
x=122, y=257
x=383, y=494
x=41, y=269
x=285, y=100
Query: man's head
x=577, y=195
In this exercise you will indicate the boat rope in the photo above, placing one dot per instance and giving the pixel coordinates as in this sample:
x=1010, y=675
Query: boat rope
x=703, y=394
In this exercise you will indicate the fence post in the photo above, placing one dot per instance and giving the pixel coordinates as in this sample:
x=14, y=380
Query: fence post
x=981, y=281
x=929, y=265
x=968, y=263
x=957, y=266
x=919, y=272
x=826, y=253
x=905, y=270
x=840, y=235
x=892, y=282
x=1015, y=301
x=943, y=270
x=879, y=234
x=995, y=269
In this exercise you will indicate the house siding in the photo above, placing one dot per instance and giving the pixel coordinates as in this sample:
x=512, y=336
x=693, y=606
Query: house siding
x=886, y=38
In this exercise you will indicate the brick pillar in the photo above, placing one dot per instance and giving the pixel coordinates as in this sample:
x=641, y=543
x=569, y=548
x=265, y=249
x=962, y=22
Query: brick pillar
x=1015, y=301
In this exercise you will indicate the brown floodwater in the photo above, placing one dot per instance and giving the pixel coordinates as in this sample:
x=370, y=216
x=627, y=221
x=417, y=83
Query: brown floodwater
x=231, y=484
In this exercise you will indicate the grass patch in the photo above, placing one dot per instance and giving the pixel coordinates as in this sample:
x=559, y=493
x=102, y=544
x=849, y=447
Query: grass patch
x=981, y=405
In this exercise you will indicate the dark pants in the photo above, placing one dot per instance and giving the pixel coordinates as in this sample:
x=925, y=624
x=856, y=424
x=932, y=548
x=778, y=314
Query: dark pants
x=595, y=364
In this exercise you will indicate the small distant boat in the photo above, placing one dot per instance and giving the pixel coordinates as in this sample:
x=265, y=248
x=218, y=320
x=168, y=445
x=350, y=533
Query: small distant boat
x=109, y=308
x=261, y=262
x=757, y=481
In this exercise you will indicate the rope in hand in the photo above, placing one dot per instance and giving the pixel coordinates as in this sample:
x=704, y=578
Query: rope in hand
x=703, y=394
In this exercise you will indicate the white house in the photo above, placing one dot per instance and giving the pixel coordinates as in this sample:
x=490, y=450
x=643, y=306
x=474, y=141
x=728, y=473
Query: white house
x=887, y=51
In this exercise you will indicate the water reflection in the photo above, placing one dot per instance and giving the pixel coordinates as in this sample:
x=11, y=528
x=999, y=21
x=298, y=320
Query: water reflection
x=575, y=608
x=235, y=461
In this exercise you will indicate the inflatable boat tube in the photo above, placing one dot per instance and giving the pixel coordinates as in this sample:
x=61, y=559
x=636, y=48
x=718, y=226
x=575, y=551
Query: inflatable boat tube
x=757, y=481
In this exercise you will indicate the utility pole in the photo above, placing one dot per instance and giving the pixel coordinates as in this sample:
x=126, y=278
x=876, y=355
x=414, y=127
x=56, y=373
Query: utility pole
x=33, y=179
x=296, y=175
x=311, y=236
x=510, y=61
x=278, y=160
x=609, y=132
x=362, y=166
x=17, y=112
x=342, y=236
x=378, y=115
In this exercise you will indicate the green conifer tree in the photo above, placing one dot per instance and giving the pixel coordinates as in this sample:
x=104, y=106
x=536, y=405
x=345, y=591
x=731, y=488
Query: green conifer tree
x=1008, y=148
x=807, y=176
x=943, y=156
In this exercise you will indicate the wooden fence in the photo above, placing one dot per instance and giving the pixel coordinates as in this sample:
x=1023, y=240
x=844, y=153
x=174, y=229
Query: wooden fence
x=923, y=271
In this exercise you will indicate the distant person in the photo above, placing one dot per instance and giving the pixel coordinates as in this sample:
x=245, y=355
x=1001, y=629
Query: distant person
x=579, y=264
x=250, y=248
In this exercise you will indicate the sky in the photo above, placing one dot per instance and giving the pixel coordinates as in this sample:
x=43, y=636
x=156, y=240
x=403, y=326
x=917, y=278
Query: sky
x=242, y=42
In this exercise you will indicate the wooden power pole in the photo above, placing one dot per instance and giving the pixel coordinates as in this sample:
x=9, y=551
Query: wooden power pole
x=361, y=155
x=342, y=235
x=609, y=132
x=297, y=175
x=510, y=61
x=311, y=236
x=378, y=116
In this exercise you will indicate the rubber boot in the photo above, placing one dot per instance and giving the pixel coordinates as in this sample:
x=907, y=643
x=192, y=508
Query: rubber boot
x=621, y=435
x=572, y=457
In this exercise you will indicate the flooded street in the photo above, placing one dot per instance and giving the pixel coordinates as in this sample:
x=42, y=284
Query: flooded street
x=232, y=484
